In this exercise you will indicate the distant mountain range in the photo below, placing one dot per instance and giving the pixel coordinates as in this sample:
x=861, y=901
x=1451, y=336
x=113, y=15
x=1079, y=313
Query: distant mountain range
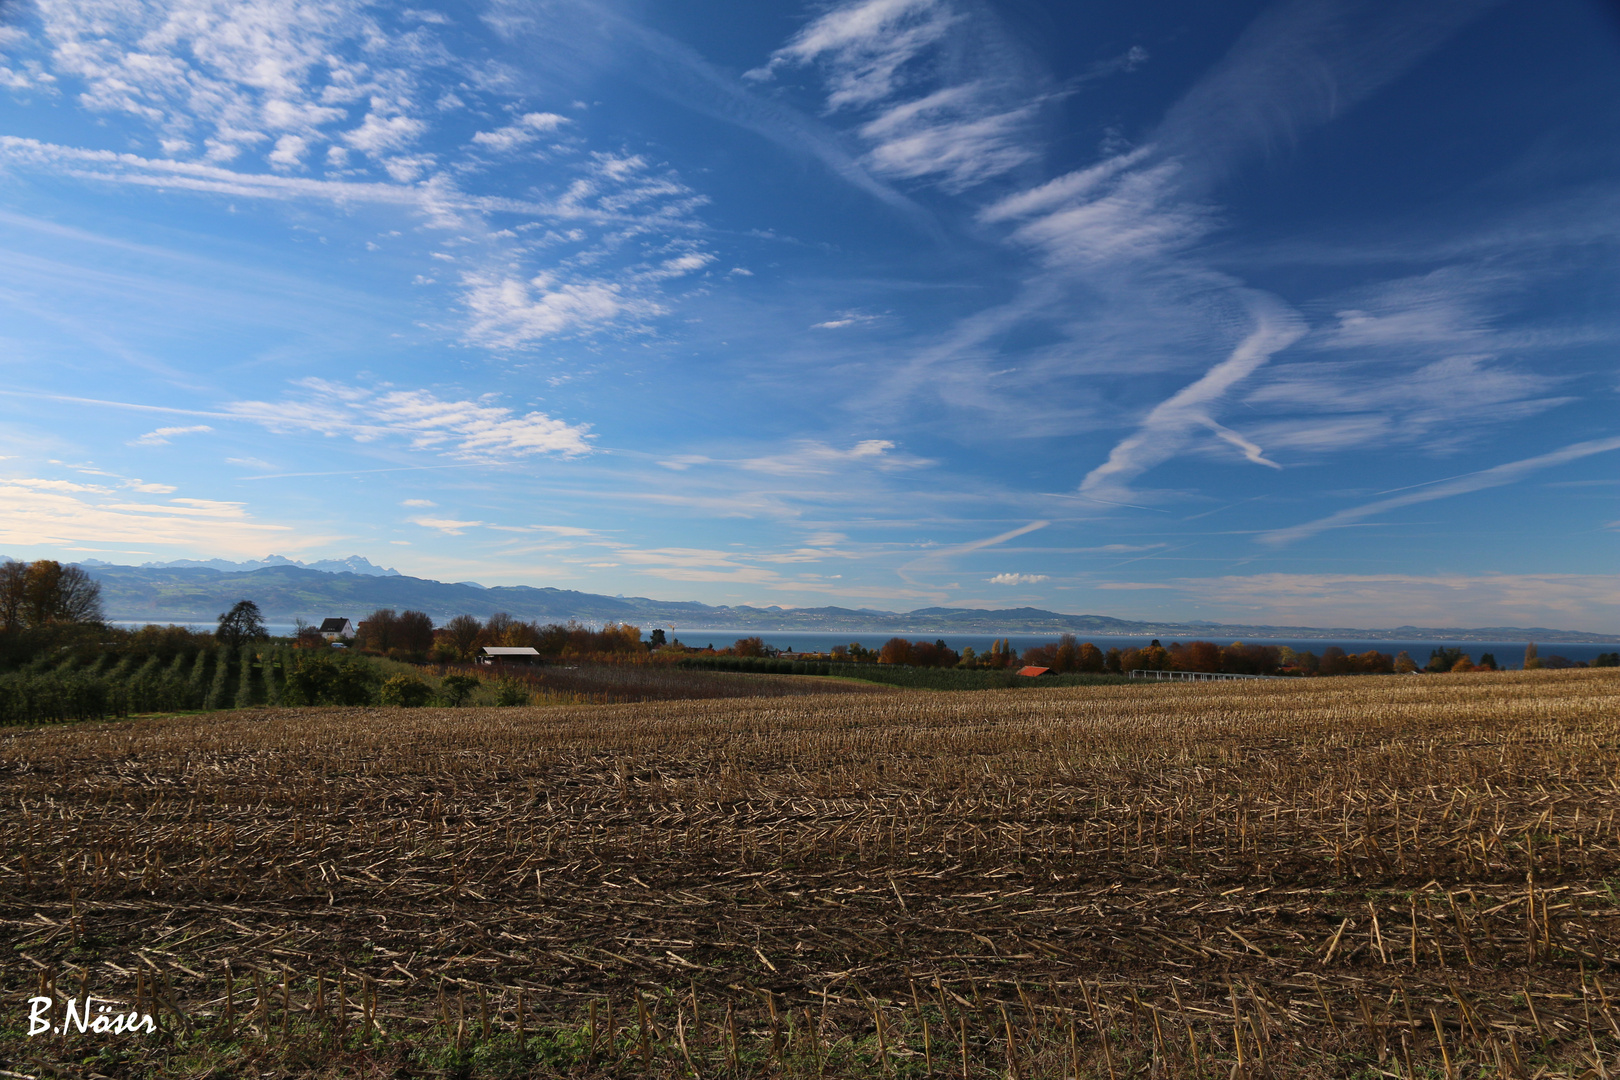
x=189, y=591
x=354, y=564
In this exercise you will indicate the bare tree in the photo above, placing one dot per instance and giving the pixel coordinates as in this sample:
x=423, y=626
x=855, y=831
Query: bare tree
x=463, y=631
x=413, y=632
x=45, y=592
x=13, y=584
x=377, y=631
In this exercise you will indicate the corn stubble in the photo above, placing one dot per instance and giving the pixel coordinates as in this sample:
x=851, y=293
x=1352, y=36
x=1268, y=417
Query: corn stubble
x=1349, y=877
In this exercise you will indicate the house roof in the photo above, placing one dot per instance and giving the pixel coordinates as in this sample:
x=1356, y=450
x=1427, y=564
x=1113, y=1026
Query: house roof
x=1035, y=671
x=507, y=650
x=333, y=626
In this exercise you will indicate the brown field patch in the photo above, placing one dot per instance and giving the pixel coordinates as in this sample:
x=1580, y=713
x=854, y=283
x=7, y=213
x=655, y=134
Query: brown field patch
x=1345, y=877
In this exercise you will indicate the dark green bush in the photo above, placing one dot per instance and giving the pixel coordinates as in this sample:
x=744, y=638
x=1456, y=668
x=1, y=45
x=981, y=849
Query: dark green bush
x=455, y=689
x=314, y=678
x=30, y=698
x=511, y=692
x=220, y=693
x=405, y=690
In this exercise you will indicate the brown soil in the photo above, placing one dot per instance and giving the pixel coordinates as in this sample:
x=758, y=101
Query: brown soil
x=1317, y=875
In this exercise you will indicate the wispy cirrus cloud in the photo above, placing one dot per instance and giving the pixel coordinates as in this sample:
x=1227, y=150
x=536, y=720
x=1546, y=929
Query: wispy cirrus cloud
x=1509, y=473
x=164, y=435
x=467, y=430
x=866, y=44
x=1343, y=405
x=1164, y=432
x=1299, y=65
x=588, y=289
x=1142, y=212
x=846, y=318
x=338, y=102
x=941, y=558
x=928, y=115
x=1589, y=602
x=811, y=457
x=447, y=526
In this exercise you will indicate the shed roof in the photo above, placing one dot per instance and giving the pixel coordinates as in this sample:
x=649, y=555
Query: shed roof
x=510, y=650
x=1032, y=671
x=333, y=626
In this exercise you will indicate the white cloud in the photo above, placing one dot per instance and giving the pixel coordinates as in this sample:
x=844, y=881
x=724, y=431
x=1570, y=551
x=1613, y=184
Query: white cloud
x=289, y=151
x=809, y=457
x=1016, y=579
x=845, y=318
x=1450, y=309
x=866, y=45
x=881, y=56
x=1114, y=212
x=510, y=313
x=1127, y=586
x=52, y=512
x=950, y=132
x=1435, y=405
x=406, y=168
x=469, y=430
x=679, y=266
x=621, y=194
x=527, y=128
x=164, y=435
x=814, y=457
x=696, y=564
x=939, y=559
x=448, y=526
x=241, y=73
x=58, y=485
x=379, y=133
x=150, y=489
x=419, y=503
x=1168, y=426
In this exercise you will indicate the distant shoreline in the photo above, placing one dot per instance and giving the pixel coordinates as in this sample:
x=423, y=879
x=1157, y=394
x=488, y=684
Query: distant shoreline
x=725, y=635
x=197, y=595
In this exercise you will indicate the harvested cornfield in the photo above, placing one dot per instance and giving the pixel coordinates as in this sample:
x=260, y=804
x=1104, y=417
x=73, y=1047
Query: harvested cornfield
x=1359, y=877
x=617, y=684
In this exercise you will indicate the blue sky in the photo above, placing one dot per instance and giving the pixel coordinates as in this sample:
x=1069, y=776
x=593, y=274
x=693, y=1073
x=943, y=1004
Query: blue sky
x=1300, y=311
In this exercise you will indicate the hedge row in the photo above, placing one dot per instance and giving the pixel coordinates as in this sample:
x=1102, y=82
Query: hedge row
x=29, y=697
x=759, y=664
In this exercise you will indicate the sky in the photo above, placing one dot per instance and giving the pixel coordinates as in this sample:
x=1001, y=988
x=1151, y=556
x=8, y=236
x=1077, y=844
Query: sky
x=1297, y=312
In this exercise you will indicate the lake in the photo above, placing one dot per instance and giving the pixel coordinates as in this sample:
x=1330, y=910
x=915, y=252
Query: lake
x=1509, y=654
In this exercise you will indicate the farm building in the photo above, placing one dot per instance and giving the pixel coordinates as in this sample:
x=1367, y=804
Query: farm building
x=507, y=654
x=1034, y=672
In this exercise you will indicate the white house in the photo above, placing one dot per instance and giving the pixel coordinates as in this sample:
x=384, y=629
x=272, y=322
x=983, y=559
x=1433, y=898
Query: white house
x=335, y=629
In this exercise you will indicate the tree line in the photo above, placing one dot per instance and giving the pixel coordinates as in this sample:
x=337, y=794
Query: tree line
x=411, y=636
x=1069, y=655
